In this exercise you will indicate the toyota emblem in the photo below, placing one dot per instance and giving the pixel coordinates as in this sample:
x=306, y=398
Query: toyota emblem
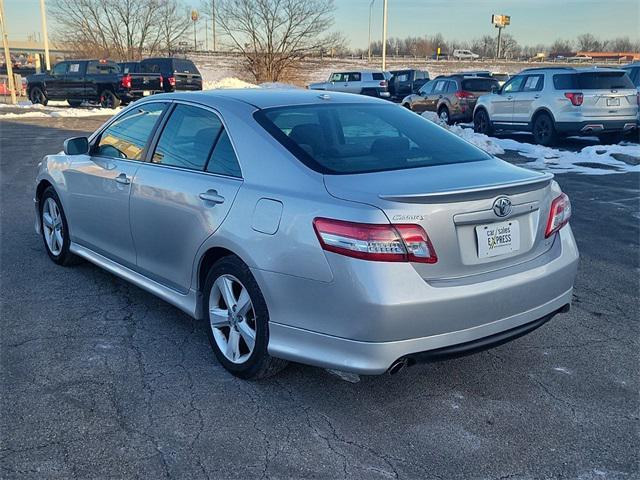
x=502, y=207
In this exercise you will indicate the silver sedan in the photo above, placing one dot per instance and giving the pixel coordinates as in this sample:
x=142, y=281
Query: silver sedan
x=335, y=230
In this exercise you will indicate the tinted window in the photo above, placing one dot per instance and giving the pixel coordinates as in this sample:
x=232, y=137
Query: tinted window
x=223, y=159
x=184, y=66
x=60, y=69
x=378, y=76
x=421, y=75
x=479, y=84
x=187, y=138
x=452, y=87
x=440, y=86
x=339, y=77
x=97, y=68
x=355, y=77
x=156, y=66
x=514, y=85
x=426, y=88
x=131, y=67
x=565, y=81
x=127, y=136
x=604, y=80
x=355, y=138
x=533, y=83
x=74, y=68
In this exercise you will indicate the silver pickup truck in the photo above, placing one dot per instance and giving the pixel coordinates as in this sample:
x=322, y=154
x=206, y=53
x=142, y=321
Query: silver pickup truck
x=372, y=83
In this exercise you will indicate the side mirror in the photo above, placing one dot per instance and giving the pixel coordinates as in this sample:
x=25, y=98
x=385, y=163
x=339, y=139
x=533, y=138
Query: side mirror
x=76, y=146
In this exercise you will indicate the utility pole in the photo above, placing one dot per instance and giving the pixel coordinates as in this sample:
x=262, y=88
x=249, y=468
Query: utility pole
x=384, y=36
x=194, y=19
x=499, y=41
x=213, y=22
x=45, y=34
x=370, y=13
x=7, y=55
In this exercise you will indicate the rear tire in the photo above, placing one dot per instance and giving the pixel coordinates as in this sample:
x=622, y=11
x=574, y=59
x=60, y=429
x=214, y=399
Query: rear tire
x=444, y=115
x=55, y=230
x=544, y=130
x=108, y=99
x=234, y=328
x=482, y=123
x=37, y=96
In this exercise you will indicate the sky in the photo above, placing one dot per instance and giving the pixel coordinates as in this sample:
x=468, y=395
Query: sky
x=532, y=21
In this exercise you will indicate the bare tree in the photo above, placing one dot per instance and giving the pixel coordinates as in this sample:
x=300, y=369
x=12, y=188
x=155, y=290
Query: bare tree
x=588, y=43
x=274, y=35
x=172, y=25
x=561, y=47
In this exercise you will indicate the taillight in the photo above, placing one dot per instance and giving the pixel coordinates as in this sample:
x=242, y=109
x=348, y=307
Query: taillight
x=161, y=82
x=575, y=97
x=464, y=94
x=172, y=81
x=383, y=83
x=375, y=242
x=126, y=81
x=559, y=215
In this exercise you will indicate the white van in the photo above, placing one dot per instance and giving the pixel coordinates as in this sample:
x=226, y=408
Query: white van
x=465, y=55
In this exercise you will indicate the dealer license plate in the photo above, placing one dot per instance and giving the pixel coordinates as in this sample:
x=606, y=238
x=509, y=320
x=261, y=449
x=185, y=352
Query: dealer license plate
x=146, y=93
x=498, y=238
x=613, y=102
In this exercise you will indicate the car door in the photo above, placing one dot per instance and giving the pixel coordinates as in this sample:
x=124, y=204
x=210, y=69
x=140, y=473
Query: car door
x=354, y=83
x=435, y=97
x=54, y=83
x=524, y=100
x=183, y=194
x=502, y=103
x=73, y=84
x=338, y=82
x=99, y=184
x=419, y=101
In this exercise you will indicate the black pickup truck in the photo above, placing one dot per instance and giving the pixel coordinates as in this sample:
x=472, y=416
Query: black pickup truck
x=94, y=81
x=406, y=82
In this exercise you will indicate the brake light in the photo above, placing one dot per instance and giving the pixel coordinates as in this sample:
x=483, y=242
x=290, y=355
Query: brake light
x=575, y=97
x=464, y=94
x=383, y=83
x=172, y=81
x=126, y=81
x=375, y=242
x=161, y=82
x=559, y=215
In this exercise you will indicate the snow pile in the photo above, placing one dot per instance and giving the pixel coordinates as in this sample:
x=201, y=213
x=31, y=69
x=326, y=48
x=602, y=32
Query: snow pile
x=39, y=111
x=278, y=85
x=227, y=82
x=592, y=160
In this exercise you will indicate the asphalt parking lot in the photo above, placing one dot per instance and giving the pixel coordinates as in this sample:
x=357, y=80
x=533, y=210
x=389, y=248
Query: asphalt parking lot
x=100, y=379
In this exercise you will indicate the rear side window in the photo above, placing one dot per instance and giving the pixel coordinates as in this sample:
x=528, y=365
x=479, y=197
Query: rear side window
x=187, y=138
x=440, y=86
x=127, y=136
x=380, y=76
x=97, y=68
x=156, y=66
x=479, y=84
x=184, y=66
x=565, y=81
x=452, y=87
x=74, y=68
x=604, y=80
x=354, y=77
x=128, y=67
x=223, y=160
x=357, y=138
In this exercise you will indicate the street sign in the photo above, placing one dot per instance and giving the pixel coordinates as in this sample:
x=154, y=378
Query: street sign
x=194, y=15
x=500, y=21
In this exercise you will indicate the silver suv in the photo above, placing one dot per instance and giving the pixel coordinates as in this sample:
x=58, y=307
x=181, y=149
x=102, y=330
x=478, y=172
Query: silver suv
x=561, y=101
x=372, y=83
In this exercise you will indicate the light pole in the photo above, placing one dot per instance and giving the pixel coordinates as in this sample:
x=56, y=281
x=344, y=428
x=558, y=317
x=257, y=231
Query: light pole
x=194, y=18
x=384, y=36
x=43, y=14
x=213, y=22
x=7, y=54
x=370, y=13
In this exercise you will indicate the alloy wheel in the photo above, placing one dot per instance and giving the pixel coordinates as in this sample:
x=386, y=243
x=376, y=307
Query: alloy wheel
x=444, y=116
x=52, y=226
x=232, y=318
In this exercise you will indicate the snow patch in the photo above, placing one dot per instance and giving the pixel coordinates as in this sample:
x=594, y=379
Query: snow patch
x=591, y=160
x=227, y=82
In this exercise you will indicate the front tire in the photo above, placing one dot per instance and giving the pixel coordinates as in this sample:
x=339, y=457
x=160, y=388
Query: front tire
x=544, y=130
x=37, y=96
x=55, y=230
x=482, y=123
x=238, y=321
x=108, y=99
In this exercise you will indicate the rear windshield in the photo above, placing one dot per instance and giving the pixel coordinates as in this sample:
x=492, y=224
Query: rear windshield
x=356, y=138
x=184, y=66
x=479, y=84
x=592, y=81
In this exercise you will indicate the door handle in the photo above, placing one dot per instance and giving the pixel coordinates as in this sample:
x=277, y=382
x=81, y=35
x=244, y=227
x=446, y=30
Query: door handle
x=123, y=179
x=536, y=96
x=211, y=196
x=510, y=97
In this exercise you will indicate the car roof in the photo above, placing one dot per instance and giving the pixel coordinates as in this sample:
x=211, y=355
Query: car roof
x=573, y=69
x=272, y=97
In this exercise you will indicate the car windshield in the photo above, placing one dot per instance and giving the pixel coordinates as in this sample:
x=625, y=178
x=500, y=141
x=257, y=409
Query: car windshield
x=360, y=138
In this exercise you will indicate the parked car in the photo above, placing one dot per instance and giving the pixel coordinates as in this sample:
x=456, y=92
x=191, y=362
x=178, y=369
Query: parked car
x=148, y=83
x=561, y=101
x=95, y=81
x=177, y=73
x=406, y=82
x=500, y=77
x=465, y=55
x=334, y=230
x=452, y=97
x=633, y=70
x=371, y=83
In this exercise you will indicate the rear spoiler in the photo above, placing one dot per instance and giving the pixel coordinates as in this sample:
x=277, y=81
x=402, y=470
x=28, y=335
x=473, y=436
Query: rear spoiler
x=472, y=192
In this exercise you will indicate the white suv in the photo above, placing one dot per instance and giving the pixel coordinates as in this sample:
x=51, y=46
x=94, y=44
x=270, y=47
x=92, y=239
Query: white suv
x=372, y=83
x=562, y=101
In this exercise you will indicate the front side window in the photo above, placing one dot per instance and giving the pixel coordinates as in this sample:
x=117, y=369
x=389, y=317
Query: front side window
x=426, y=88
x=356, y=138
x=533, y=83
x=60, y=68
x=127, y=136
x=513, y=85
x=339, y=77
x=187, y=138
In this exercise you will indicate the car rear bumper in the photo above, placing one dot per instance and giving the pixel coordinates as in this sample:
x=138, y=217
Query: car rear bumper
x=597, y=125
x=363, y=321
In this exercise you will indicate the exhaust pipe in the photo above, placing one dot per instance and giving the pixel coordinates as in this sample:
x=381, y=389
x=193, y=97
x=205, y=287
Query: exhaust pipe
x=397, y=366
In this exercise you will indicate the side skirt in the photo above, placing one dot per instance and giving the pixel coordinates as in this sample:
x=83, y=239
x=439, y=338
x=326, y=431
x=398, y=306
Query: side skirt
x=189, y=303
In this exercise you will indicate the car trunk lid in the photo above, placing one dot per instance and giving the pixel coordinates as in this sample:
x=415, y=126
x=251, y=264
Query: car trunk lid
x=454, y=203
